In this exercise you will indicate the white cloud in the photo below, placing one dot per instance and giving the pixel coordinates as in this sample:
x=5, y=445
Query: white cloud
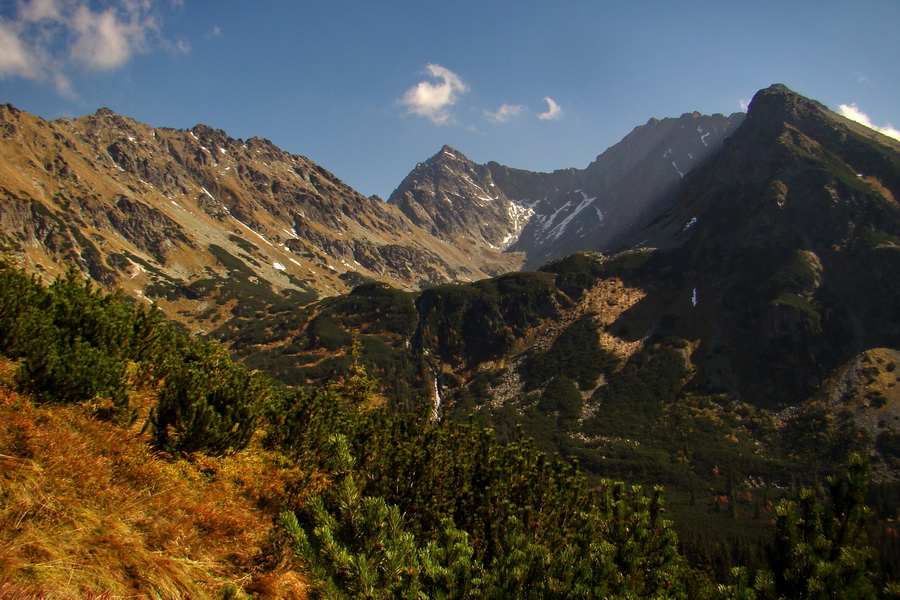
x=15, y=58
x=63, y=85
x=39, y=10
x=47, y=38
x=432, y=100
x=104, y=40
x=745, y=104
x=852, y=112
x=505, y=113
x=554, y=110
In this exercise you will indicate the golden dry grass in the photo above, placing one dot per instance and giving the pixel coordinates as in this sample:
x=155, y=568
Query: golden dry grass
x=87, y=510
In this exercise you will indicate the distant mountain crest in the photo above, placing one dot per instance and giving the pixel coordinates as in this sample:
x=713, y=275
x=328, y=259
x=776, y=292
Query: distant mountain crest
x=458, y=201
x=550, y=215
x=184, y=213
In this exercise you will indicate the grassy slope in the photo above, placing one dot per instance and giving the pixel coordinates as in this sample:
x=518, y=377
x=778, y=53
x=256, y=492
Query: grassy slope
x=87, y=510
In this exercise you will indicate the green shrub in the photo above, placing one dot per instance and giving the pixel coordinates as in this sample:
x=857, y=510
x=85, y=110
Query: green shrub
x=325, y=333
x=809, y=310
x=561, y=396
x=73, y=340
x=798, y=274
x=207, y=403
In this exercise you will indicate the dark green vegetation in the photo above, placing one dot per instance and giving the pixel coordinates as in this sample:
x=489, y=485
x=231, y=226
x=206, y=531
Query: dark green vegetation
x=576, y=354
x=645, y=419
x=76, y=343
x=248, y=298
x=470, y=324
x=309, y=344
x=411, y=505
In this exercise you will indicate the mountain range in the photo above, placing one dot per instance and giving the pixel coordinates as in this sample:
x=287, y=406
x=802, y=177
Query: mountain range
x=776, y=244
x=712, y=304
x=550, y=215
x=765, y=281
x=177, y=214
x=776, y=233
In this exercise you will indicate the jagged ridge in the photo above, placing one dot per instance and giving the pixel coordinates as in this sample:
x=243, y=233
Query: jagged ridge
x=550, y=215
x=162, y=209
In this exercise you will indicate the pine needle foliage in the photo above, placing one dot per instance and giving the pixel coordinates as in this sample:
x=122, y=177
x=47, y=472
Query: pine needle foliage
x=358, y=389
x=359, y=547
x=502, y=539
x=78, y=344
x=207, y=403
x=73, y=340
x=820, y=550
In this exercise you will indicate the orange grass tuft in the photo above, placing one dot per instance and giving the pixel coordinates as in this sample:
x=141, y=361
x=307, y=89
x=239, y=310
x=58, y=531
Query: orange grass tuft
x=87, y=510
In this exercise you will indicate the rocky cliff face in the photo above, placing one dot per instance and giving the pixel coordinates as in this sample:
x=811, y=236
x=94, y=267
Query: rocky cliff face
x=157, y=208
x=479, y=206
x=786, y=249
x=626, y=188
x=550, y=215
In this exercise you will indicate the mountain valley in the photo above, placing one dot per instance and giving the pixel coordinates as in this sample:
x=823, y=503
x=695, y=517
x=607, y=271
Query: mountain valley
x=755, y=335
x=712, y=305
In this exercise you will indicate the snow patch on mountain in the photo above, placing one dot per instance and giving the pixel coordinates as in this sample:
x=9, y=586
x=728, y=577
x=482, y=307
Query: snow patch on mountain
x=519, y=216
x=556, y=231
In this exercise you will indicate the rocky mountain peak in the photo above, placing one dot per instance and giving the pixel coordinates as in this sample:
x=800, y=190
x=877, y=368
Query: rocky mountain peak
x=210, y=136
x=196, y=214
x=799, y=211
x=482, y=216
x=550, y=215
x=448, y=152
x=776, y=105
x=780, y=94
x=444, y=163
x=8, y=110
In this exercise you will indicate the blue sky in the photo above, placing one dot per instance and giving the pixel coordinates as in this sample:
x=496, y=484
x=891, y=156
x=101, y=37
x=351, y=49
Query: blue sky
x=367, y=89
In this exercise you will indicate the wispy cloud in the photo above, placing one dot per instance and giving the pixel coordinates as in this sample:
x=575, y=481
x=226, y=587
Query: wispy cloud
x=432, y=99
x=46, y=39
x=505, y=113
x=554, y=110
x=15, y=58
x=852, y=112
x=744, y=104
x=106, y=40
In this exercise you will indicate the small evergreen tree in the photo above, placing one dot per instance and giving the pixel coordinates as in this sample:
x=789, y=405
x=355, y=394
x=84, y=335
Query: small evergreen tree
x=302, y=422
x=646, y=557
x=358, y=388
x=358, y=546
x=207, y=403
x=820, y=550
